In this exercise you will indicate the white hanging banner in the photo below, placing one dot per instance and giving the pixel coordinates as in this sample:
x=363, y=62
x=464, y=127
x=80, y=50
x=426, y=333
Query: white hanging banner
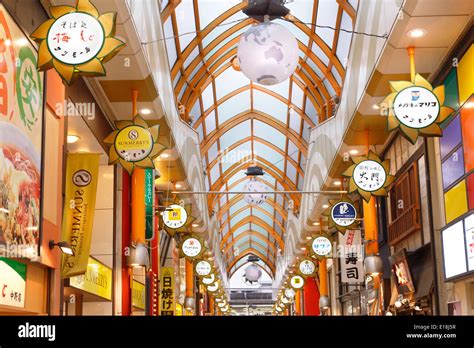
x=352, y=258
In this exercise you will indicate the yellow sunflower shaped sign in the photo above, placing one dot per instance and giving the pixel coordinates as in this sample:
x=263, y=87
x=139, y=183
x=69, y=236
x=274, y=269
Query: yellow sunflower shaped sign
x=77, y=41
x=342, y=214
x=177, y=218
x=134, y=144
x=416, y=108
x=369, y=176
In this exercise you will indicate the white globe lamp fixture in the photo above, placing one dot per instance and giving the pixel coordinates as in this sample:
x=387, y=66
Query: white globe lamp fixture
x=268, y=53
x=257, y=198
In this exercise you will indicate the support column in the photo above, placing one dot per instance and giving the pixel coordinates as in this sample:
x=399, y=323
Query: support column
x=372, y=254
x=126, y=271
x=298, y=303
x=138, y=206
x=323, y=286
x=189, y=301
x=211, y=305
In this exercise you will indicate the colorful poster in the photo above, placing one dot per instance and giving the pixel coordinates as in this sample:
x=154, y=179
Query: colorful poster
x=21, y=130
x=97, y=280
x=167, y=296
x=82, y=171
x=12, y=283
x=352, y=261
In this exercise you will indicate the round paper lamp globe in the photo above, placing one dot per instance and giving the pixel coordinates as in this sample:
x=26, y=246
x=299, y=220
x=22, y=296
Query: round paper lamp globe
x=253, y=185
x=268, y=53
x=253, y=273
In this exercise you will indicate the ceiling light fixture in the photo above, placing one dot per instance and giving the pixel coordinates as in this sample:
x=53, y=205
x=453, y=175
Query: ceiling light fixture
x=72, y=138
x=178, y=186
x=195, y=225
x=337, y=183
x=267, y=52
x=375, y=107
x=325, y=206
x=315, y=223
x=145, y=111
x=416, y=33
x=165, y=155
x=353, y=152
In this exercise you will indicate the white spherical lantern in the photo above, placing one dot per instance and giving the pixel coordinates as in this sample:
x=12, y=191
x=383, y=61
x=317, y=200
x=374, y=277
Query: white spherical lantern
x=253, y=185
x=253, y=273
x=268, y=53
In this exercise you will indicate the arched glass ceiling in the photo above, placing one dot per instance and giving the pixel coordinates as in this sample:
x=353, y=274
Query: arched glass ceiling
x=240, y=123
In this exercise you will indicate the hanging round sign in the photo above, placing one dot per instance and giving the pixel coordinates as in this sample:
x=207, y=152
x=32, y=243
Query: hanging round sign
x=191, y=247
x=297, y=282
x=416, y=107
x=134, y=143
x=369, y=175
x=307, y=267
x=321, y=246
x=290, y=293
x=175, y=216
x=285, y=300
x=203, y=268
x=343, y=214
x=222, y=304
x=77, y=40
x=209, y=279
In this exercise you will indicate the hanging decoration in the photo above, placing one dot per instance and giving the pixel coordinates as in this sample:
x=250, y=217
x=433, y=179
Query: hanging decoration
x=321, y=246
x=290, y=293
x=254, y=185
x=203, y=268
x=134, y=144
x=307, y=268
x=369, y=176
x=268, y=53
x=176, y=218
x=191, y=247
x=209, y=279
x=342, y=214
x=296, y=282
x=416, y=108
x=77, y=41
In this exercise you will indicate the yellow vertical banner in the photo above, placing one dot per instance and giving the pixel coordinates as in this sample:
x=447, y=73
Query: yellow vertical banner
x=82, y=171
x=167, y=298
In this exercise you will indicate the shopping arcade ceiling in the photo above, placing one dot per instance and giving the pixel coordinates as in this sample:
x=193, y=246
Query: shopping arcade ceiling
x=240, y=123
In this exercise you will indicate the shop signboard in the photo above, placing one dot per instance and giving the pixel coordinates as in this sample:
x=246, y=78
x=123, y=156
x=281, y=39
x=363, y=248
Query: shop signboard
x=138, y=294
x=149, y=200
x=97, y=280
x=77, y=40
x=21, y=142
x=343, y=213
x=297, y=282
x=307, y=267
x=352, y=265
x=167, y=293
x=175, y=216
x=321, y=246
x=369, y=176
x=191, y=247
x=12, y=283
x=402, y=273
x=82, y=171
x=458, y=247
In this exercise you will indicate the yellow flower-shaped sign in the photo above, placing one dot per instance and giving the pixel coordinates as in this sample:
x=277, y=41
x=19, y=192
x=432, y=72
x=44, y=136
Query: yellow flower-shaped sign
x=77, y=41
x=134, y=144
x=369, y=176
x=416, y=108
x=342, y=214
x=177, y=218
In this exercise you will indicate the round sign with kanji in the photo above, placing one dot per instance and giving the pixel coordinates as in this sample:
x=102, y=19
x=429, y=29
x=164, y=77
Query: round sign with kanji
x=203, y=268
x=416, y=107
x=369, y=175
x=321, y=246
x=175, y=216
x=191, y=247
x=307, y=267
x=297, y=282
x=209, y=279
x=343, y=214
x=290, y=293
x=75, y=38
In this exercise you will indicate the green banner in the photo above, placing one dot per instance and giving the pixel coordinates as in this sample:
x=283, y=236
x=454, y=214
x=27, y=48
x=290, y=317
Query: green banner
x=149, y=202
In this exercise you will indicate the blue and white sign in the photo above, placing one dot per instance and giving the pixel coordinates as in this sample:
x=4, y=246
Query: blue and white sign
x=343, y=214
